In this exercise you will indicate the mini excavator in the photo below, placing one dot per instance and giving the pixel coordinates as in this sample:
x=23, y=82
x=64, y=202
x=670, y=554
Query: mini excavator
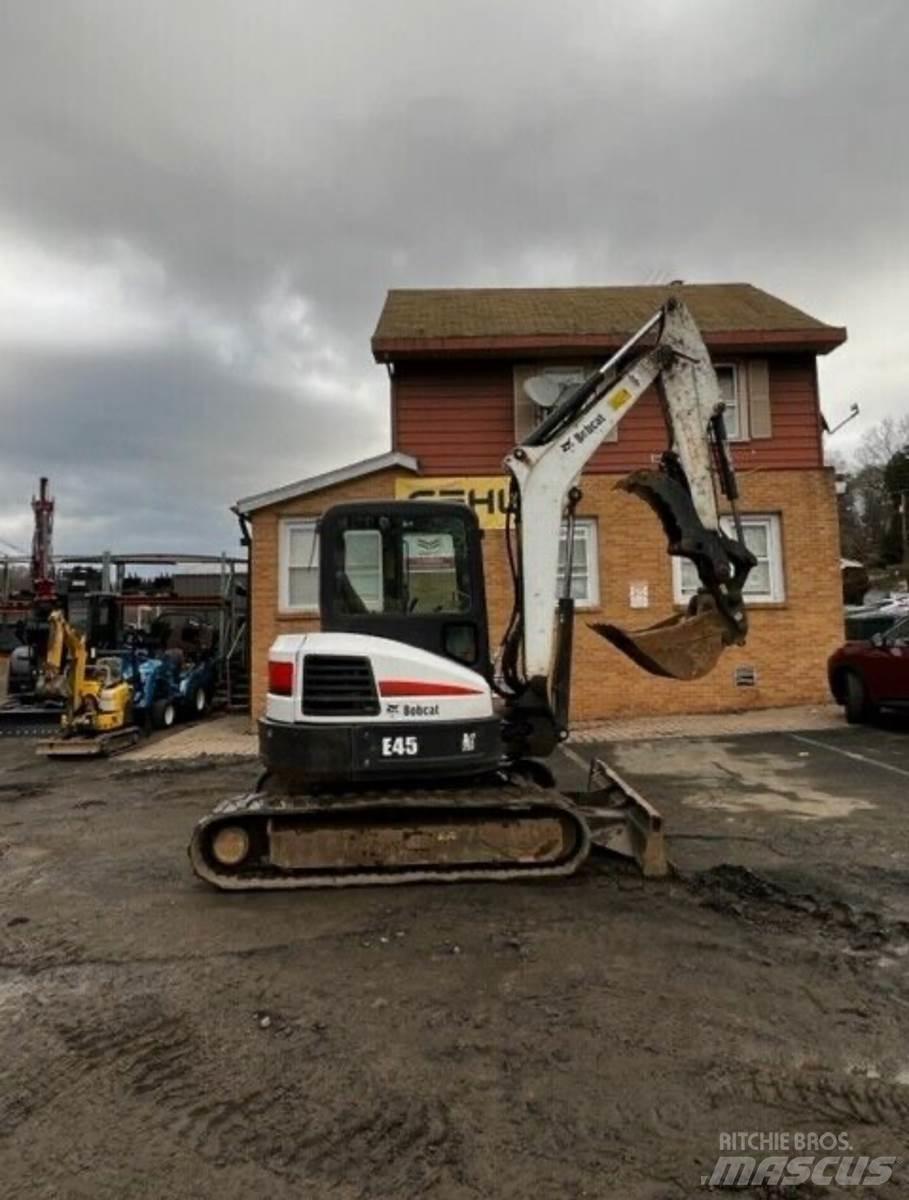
x=97, y=717
x=395, y=748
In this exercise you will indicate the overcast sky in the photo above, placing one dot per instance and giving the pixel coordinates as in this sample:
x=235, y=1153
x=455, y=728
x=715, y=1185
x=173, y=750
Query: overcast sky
x=202, y=205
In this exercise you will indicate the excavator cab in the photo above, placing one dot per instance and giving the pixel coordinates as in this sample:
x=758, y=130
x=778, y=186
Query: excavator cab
x=408, y=571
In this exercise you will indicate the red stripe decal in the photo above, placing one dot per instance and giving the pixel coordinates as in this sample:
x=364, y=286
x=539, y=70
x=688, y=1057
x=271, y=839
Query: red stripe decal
x=416, y=687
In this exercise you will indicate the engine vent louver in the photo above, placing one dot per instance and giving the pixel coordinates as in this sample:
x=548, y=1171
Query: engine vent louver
x=338, y=685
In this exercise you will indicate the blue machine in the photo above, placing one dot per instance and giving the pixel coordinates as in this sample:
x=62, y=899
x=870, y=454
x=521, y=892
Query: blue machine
x=166, y=687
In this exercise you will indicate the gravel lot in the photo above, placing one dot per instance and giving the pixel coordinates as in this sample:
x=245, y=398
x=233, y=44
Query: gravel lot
x=585, y=1038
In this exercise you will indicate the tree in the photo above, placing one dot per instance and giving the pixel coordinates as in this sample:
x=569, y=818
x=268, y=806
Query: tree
x=896, y=482
x=869, y=521
x=882, y=441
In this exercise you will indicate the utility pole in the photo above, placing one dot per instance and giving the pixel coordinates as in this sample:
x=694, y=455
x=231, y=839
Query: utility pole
x=904, y=530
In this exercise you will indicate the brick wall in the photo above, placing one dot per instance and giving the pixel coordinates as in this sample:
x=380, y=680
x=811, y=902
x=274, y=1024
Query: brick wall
x=788, y=643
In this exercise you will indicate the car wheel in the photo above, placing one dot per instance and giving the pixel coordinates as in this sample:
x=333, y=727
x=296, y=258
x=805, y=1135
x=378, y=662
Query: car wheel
x=163, y=714
x=199, y=702
x=858, y=707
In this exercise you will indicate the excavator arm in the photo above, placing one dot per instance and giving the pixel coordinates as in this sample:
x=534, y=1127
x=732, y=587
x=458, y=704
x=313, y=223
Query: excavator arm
x=64, y=638
x=682, y=490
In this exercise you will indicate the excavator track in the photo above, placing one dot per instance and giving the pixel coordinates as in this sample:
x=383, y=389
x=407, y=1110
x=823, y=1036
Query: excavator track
x=499, y=831
x=99, y=745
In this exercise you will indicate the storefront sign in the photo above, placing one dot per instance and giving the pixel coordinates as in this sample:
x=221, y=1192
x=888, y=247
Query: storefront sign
x=487, y=495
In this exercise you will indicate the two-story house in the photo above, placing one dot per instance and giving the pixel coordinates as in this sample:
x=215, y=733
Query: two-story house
x=456, y=362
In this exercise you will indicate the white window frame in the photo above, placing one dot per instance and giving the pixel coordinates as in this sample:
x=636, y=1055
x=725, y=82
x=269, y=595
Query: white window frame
x=288, y=524
x=586, y=527
x=773, y=525
x=741, y=406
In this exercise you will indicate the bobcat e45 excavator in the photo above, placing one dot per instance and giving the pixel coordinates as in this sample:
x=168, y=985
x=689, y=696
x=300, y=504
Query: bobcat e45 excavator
x=395, y=749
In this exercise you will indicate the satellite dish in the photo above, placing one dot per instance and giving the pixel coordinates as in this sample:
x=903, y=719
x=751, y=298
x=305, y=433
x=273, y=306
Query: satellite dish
x=546, y=390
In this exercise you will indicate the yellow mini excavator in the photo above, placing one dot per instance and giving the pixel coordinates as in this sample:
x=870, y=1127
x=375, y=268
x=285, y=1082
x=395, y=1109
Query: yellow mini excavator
x=97, y=716
x=395, y=748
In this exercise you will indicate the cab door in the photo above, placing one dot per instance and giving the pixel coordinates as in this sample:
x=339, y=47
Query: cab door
x=408, y=570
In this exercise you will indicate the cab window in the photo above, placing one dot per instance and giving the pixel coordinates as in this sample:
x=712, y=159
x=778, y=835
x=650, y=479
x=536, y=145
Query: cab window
x=403, y=565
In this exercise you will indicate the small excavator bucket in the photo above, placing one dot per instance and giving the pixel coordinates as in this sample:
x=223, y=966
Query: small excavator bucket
x=685, y=646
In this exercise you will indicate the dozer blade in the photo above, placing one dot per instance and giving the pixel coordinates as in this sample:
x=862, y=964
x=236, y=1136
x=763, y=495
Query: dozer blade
x=685, y=646
x=622, y=821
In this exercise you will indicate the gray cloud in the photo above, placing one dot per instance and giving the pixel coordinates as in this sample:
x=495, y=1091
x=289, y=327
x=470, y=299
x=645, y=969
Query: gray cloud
x=201, y=207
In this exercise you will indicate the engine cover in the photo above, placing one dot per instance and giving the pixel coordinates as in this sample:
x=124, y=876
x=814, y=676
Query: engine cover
x=333, y=677
x=306, y=754
x=352, y=708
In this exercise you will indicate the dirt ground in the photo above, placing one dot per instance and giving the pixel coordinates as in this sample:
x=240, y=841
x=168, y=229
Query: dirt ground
x=584, y=1038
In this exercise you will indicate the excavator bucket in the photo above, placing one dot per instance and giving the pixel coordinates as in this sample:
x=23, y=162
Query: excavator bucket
x=685, y=646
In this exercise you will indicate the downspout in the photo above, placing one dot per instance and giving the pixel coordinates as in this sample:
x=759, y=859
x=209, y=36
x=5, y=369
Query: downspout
x=246, y=540
x=393, y=408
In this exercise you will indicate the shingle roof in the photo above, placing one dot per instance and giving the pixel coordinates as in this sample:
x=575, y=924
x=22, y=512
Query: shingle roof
x=494, y=317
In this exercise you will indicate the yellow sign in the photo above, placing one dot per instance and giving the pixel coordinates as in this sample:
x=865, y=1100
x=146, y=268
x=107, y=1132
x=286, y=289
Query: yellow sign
x=621, y=397
x=487, y=495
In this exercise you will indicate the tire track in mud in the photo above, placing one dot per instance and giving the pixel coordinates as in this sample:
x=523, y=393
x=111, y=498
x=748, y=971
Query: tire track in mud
x=27, y=956
x=19, y=1106
x=389, y=1139
x=873, y=1102
x=739, y=892
x=30, y=1082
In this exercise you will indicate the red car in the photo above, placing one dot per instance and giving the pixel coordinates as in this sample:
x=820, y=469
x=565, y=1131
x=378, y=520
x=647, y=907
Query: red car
x=867, y=676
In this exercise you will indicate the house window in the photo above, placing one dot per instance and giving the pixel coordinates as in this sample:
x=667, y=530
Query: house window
x=766, y=582
x=298, y=586
x=585, y=577
x=727, y=378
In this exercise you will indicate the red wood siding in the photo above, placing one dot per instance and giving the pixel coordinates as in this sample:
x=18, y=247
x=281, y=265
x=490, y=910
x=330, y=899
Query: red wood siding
x=457, y=418
x=454, y=418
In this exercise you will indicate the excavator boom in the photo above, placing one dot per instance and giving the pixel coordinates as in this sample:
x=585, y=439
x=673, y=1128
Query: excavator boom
x=683, y=491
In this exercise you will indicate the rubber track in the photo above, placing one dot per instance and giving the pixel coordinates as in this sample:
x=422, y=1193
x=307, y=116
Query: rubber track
x=109, y=745
x=509, y=798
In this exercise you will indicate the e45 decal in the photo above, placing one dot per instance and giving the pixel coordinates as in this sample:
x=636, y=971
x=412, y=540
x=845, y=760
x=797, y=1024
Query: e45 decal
x=400, y=747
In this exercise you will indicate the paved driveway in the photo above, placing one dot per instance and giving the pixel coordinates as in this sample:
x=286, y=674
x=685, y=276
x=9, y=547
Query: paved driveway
x=820, y=811
x=593, y=1036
